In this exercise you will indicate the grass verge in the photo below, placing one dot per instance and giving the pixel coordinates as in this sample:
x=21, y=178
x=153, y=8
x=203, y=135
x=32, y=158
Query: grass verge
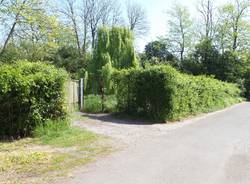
x=55, y=149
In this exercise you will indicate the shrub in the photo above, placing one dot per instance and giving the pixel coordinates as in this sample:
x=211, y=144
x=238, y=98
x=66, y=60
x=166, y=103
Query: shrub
x=30, y=93
x=162, y=93
x=93, y=104
x=247, y=84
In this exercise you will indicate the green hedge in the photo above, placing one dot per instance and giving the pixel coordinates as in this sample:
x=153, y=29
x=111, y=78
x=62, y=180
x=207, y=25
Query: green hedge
x=162, y=93
x=30, y=93
x=247, y=84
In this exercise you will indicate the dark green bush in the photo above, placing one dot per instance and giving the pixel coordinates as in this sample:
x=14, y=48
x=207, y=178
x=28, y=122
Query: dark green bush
x=162, y=93
x=30, y=93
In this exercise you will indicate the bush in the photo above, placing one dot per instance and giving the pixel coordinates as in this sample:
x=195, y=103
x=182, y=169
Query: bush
x=93, y=104
x=247, y=84
x=30, y=93
x=162, y=93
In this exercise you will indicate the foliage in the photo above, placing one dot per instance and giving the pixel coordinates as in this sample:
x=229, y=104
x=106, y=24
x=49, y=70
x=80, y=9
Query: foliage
x=35, y=32
x=158, y=51
x=231, y=67
x=10, y=55
x=114, y=49
x=180, y=34
x=107, y=71
x=206, y=54
x=233, y=26
x=30, y=93
x=247, y=84
x=59, y=133
x=117, y=42
x=69, y=59
x=93, y=104
x=162, y=93
x=206, y=59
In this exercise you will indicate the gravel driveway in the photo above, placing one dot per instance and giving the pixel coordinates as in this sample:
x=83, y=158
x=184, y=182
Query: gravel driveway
x=210, y=149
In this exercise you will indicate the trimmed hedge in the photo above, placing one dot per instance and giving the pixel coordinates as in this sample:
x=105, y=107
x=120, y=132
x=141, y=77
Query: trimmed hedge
x=247, y=84
x=30, y=93
x=162, y=93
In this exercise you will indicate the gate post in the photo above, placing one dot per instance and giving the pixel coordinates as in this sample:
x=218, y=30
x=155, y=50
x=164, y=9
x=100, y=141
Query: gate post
x=81, y=94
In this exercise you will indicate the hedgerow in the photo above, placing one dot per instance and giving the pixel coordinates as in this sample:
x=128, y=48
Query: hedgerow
x=30, y=93
x=162, y=93
x=247, y=84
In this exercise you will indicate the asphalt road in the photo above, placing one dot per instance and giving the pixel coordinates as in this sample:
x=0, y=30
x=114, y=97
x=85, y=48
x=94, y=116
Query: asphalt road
x=211, y=150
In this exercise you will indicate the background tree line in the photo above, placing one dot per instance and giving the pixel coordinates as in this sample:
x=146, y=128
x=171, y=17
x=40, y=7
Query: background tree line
x=216, y=42
x=62, y=32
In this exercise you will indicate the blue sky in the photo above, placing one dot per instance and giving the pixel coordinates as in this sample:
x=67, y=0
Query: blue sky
x=158, y=19
x=156, y=13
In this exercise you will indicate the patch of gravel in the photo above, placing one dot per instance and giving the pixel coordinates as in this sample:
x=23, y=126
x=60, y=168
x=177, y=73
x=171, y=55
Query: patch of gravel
x=130, y=131
x=127, y=131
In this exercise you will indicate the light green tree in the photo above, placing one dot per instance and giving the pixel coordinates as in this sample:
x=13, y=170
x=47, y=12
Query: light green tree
x=233, y=27
x=32, y=29
x=114, y=49
x=118, y=43
x=180, y=32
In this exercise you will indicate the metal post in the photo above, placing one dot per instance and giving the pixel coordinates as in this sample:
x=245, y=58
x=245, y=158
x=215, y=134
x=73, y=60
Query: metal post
x=81, y=94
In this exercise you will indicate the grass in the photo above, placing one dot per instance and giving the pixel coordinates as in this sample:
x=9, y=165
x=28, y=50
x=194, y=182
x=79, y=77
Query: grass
x=60, y=134
x=92, y=104
x=78, y=117
x=55, y=150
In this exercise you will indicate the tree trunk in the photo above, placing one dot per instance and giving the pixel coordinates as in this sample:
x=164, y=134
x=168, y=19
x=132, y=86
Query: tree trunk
x=77, y=38
x=10, y=34
x=93, y=38
x=235, y=39
x=84, y=47
x=12, y=28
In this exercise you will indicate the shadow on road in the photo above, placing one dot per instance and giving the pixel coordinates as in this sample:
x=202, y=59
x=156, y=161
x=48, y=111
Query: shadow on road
x=118, y=119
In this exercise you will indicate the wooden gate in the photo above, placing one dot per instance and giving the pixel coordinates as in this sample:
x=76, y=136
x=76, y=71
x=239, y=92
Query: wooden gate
x=75, y=95
x=72, y=95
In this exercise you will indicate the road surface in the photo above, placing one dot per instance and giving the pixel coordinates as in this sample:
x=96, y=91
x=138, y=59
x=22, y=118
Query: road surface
x=212, y=149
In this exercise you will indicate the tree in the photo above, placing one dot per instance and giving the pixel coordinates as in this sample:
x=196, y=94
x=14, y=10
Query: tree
x=203, y=60
x=118, y=43
x=159, y=50
x=70, y=12
x=230, y=67
x=67, y=57
x=100, y=12
x=114, y=49
x=206, y=59
x=235, y=26
x=137, y=19
x=32, y=29
x=180, y=29
x=222, y=38
x=84, y=14
x=206, y=9
x=17, y=9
